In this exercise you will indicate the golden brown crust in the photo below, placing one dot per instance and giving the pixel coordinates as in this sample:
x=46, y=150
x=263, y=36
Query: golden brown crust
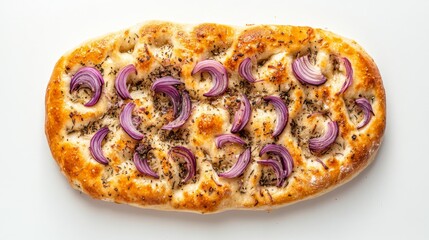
x=161, y=48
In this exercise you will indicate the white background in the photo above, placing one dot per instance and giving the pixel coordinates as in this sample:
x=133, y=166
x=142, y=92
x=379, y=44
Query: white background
x=389, y=200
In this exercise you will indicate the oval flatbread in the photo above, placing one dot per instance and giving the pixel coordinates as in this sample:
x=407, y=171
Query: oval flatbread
x=304, y=110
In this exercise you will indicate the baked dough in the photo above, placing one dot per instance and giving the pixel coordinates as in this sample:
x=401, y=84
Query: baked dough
x=160, y=49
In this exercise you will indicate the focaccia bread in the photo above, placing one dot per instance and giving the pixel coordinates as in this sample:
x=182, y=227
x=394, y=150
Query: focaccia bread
x=211, y=117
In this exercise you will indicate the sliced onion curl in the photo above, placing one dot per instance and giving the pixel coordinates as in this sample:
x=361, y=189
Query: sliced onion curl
x=245, y=71
x=218, y=73
x=165, y=81
x=238, y=168
x=349, y=75
x=367, y=111
x=278, y=169
x=95, y=146
x=91, y=78
x=285, y=159
x=320, y=144
x=242, y=116
x=185, y=112
x=142, y=166
x=306, y=72
x=322, y=163
x=126, y=121
x=228, y=138
x=165, y=85
x=121, y=81
x=189, y=157
x=282, y=114
x=136, y=120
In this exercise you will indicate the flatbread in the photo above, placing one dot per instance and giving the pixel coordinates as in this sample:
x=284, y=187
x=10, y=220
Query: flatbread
x=159, y=49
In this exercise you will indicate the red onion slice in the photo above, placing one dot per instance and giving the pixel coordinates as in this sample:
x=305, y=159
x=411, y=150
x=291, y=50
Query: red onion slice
x=242, y=116
x=185, y=112
x=367, y=110
x=218, y=73
x=174, y=96
x=126, y=121
x=121, y=81
x=95, y=146
x=320, y=144
x=136, y=120
x=189, y=157
x=165, y=85
x=238, y=168
x=143, y=166
x=349, y=74
x=306, y=72
x=282, y=153
x=278, y=169
x=282, y=114
x=165, y=81
x=322, y=163
x=245, y=71
x=228, y=138
x=91, y=78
